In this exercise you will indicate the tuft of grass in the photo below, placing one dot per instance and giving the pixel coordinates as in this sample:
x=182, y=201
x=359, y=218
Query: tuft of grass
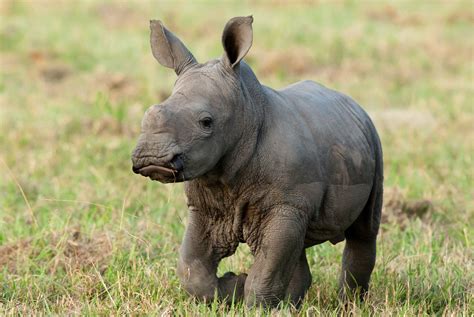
x=80, y=234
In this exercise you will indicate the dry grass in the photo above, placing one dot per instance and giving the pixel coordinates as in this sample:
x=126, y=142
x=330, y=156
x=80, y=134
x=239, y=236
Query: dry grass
x=69, y=251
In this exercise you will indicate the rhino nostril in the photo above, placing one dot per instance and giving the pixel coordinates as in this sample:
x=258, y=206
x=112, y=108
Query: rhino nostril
x=135, y=169
x=177, y=162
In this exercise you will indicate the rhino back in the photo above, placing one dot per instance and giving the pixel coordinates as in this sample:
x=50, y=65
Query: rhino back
x=318, y=134
x=320, y=149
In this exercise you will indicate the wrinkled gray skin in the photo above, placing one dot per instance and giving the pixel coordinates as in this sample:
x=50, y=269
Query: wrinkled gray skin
x=281, y=170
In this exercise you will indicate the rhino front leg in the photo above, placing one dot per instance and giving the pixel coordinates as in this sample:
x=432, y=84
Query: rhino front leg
x=277, y=257
x=301, y=280
x=197, y=266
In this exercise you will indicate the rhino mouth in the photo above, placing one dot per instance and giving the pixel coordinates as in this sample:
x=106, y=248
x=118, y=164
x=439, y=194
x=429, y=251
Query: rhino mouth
x=171, y=172
x=152, y=169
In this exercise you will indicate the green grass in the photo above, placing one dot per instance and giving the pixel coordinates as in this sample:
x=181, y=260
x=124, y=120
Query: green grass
x=81, y=234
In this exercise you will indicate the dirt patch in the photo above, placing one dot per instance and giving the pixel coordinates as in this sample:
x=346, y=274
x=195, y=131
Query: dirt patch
x=390, y=14
x=297, y=62
x=460, y=16
x=346, y=71
x=117, y=86
x=118, y=15
x=78, y=251
x=69, y=250
x=397, y=209
x=48, y=66
x=396, y=119
x=55, y=72
x=38, y=57
x=12, y=253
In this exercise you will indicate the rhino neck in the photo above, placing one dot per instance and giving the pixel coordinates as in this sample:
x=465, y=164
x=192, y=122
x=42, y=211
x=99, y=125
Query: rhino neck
x=237, y=167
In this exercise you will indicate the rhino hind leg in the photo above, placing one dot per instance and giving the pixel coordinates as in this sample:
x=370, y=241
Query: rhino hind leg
x=358, y=261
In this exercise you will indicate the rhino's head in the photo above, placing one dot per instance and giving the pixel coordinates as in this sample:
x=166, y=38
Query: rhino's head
x=187, y=135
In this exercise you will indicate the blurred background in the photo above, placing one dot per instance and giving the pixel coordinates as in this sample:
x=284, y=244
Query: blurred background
x=80, y=233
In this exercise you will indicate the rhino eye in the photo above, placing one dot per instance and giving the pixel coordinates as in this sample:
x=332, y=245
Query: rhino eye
x=206, y=123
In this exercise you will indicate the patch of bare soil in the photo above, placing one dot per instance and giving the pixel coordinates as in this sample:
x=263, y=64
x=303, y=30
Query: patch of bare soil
x=347, y=70
x=55, y=72
x=297, y=61
x=400, y=210
x=39, y=65
x=118, y=14
x=460, y=16
x=396, y=119
x=69, y=250
x=48, y=67
x=12, y=253
x=117, y=85
x=390, y=14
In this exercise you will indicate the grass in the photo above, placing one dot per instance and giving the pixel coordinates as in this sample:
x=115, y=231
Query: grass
x=80, y=234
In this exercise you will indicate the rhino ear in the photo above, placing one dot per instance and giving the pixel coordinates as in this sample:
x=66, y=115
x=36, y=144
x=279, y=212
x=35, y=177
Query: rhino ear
x=237, y=39
x=168, y=50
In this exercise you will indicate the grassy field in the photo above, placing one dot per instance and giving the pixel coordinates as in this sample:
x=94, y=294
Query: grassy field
x=81, y=234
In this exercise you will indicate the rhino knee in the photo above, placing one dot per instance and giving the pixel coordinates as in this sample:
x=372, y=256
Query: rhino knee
x=197, y=282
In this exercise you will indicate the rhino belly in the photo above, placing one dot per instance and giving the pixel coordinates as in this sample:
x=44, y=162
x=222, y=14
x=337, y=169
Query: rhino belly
x=341, y=206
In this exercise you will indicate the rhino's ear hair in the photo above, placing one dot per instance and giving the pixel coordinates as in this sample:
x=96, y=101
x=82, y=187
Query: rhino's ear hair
x=168, y=50
x=237, y=39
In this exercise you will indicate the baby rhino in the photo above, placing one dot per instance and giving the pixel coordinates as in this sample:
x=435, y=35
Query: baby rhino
x=280, y=170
